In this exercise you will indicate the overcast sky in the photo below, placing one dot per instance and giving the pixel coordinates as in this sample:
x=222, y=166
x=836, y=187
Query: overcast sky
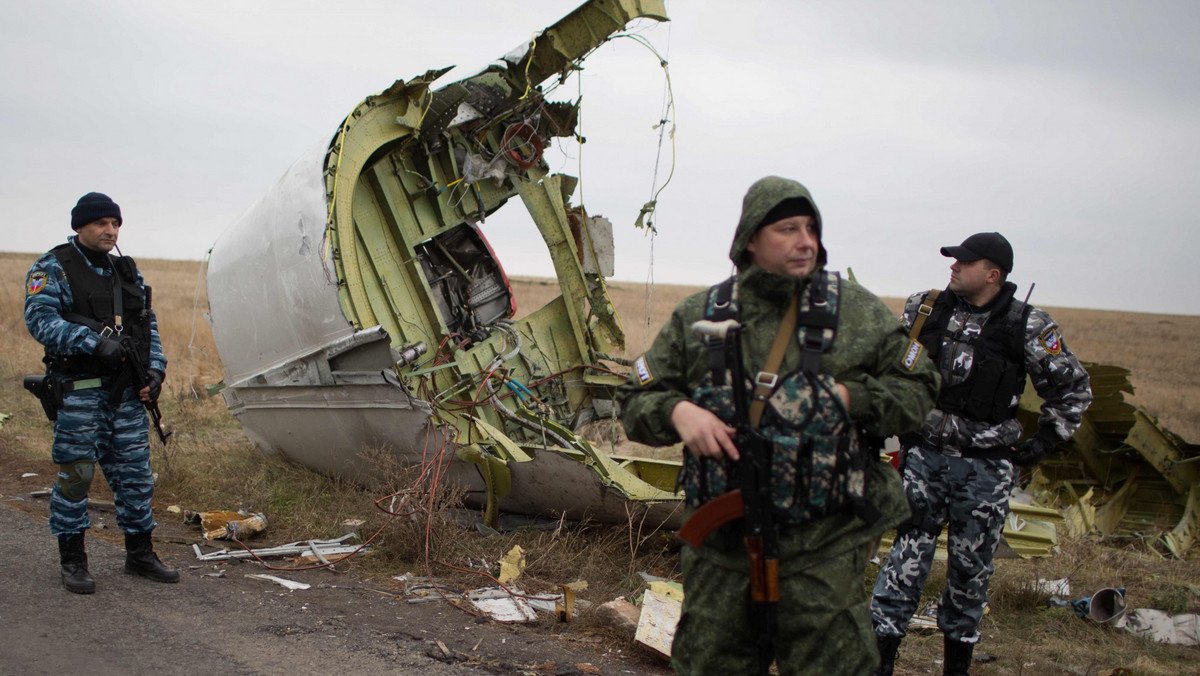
x=1071, y=127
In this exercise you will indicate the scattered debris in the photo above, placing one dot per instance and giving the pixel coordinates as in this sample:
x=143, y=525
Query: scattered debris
x=656, y=625
x=1122, y=475
x=325, y=548
x=227, y=525
x=422, y=589
x=1161, y=626
x=1060, y=588
x=501, y=605
x=512, y=565
x=668, y=589
x=292, y=585
x=620, y=614
x=352, y=525
x=28, y=474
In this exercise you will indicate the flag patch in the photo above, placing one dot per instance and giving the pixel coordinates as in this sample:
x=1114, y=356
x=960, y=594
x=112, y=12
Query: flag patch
x=1051, y=340
x=642, y=370
x=37, y=282
x=912, y=354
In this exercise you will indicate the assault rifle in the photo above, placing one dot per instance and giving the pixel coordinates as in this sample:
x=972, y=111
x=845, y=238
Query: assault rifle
x=134, y=373
x=750, y=502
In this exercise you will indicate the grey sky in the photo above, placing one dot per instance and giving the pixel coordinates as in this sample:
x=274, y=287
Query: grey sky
x=1071, y=127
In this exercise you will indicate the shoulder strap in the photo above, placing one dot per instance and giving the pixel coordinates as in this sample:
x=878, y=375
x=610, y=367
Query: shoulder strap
x=923, y=312
x=765, y=381
x=818, y=319
x=720, y=305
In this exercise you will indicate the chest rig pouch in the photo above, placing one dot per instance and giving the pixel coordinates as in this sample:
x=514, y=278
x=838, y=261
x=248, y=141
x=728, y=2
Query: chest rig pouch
x=997, y=374
x=113, y=303
x=817, y=467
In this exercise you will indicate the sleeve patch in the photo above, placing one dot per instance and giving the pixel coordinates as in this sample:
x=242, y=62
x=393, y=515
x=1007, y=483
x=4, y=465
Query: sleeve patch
x=1051, y=340
x=912, y=354
x=641, y=371
x=37, y=282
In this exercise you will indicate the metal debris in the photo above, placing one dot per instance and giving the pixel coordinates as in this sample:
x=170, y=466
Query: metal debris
x=291, y=585
x=1123, y=475
x=501, y=605
x=322, y=547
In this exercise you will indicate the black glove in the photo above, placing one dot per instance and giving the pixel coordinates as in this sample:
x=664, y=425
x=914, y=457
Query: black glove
x=155, y=384
x=109, y=352
x=1031, y=451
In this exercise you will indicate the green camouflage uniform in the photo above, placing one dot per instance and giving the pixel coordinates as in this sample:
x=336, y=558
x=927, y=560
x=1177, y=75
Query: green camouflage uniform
x=823, y=620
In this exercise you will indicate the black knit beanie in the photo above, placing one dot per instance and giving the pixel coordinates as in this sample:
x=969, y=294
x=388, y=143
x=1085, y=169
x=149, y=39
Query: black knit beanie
x=92, y=207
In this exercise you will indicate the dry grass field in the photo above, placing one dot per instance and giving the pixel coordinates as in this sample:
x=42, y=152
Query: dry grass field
x=210, y=465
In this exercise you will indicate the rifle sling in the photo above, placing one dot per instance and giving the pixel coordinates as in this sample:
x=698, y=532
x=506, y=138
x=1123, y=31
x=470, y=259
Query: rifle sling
x=766, y=379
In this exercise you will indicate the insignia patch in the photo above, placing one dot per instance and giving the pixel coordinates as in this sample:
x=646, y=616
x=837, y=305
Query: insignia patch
x=912, y=354
x=642, y=370
x=1051, y=340
x=37, y=282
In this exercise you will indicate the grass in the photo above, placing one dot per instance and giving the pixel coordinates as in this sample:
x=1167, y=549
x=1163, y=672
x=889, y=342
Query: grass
x=209, y=464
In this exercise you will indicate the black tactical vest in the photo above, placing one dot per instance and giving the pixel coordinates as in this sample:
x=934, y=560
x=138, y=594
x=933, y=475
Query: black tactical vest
x=997, y=376
x=817, y=464
x=95, y=305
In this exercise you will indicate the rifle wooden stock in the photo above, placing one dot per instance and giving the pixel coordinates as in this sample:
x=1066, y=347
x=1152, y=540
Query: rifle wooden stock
x=711, y=516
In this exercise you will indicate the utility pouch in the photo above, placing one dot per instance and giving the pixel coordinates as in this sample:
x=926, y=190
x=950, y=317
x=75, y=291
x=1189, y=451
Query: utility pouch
x=46, y=388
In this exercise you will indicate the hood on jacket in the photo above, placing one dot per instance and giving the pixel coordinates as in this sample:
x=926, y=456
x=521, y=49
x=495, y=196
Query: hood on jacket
x=760, y=199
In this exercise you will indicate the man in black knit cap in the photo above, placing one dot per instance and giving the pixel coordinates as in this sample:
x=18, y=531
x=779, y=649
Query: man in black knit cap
x=90, y=310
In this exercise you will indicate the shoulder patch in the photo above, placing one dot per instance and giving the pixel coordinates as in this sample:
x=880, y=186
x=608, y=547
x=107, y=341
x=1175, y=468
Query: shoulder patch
x=37, y=282
x=912, y=354
x=1051, y=340
x=641, y=371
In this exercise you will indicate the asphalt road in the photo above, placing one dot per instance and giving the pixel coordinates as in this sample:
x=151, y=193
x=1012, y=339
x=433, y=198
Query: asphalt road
x=238, y=625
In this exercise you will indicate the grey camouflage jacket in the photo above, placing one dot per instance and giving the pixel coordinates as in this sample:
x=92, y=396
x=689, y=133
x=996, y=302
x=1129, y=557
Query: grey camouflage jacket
x=48, y=295
x=1055, y=372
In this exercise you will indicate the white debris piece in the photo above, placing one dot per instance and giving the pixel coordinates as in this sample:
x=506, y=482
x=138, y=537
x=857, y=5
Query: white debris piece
x=501, y=605
x=657, y=623
x=292, y=585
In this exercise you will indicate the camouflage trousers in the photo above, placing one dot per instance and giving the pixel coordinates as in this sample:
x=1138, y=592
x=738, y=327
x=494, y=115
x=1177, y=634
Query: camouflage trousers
x=119, y=442
x=971, y=496
x=823, y=623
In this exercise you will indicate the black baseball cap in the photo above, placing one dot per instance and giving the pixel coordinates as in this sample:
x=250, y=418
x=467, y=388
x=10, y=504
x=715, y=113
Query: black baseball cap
x=989, y=245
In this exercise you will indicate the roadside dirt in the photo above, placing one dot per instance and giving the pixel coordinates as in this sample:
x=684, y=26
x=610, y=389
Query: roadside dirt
x=217, y=618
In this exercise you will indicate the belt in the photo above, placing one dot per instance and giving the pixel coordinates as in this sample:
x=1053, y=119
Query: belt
x=86, y=384
x=75, y=384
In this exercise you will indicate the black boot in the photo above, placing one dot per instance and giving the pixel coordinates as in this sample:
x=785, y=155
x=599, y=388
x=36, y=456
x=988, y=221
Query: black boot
x=956, y=659
x=888, y=647
x=140, y=559
x=75, y=576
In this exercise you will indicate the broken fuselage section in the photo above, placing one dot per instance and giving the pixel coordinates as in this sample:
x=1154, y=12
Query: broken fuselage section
x=358, y=305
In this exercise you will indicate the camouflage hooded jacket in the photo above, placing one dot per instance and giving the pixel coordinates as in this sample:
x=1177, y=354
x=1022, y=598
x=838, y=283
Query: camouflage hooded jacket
x=886, y=398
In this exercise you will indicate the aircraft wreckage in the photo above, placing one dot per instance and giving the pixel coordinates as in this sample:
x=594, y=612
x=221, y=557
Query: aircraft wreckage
x=358, y=304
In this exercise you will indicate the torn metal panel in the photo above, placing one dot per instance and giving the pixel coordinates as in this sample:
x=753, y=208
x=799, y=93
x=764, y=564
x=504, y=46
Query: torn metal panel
x=1123, y=473
x=358, y=305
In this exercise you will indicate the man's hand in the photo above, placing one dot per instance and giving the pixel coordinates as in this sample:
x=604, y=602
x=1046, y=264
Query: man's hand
x=704, y=434
x=1029, y=452
x=844, y=395
x=109, y=352
x=150, y=392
